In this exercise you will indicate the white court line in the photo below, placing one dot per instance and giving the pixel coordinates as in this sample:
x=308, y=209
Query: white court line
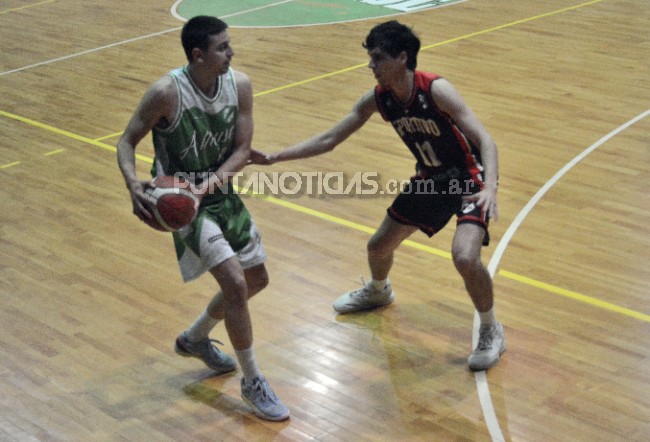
x=130, y=40
x=234, y=14
x=89, y=51
x=481, y=379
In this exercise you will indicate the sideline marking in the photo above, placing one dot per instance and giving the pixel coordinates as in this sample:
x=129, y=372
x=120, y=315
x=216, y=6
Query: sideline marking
x=156, y=34
x=480, y=377
x=108, y=46
x=89, y=51
x=498, y=253
x=20, y=8
x=68, y=134
x=575, y=295
x=106, y=137
x=500, y=249
x=513, y=23
x=234, y=14
x=8, y=165
x=482, y=388
x=53, y=152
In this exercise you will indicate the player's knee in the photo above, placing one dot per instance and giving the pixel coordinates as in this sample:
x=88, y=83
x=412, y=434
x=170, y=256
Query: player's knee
x=466, y=263
x=257, y=279
x=239, y=286
x=377, y=247
x=259, y=283
x=235, y=301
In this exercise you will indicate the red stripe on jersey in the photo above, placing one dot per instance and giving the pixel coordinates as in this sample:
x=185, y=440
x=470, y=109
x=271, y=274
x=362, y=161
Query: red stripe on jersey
x=470, y=161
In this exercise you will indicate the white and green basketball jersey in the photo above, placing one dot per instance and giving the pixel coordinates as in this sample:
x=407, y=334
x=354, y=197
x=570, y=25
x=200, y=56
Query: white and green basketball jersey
x=201, y=136
x=197, y=142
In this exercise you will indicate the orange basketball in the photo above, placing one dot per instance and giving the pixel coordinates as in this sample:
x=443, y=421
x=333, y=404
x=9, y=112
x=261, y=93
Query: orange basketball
x=172, y=203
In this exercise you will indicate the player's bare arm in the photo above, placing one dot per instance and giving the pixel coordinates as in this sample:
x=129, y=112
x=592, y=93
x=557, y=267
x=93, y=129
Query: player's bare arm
x=325, y=141
x=243, y=136
x=450, y=101
x=157, y=105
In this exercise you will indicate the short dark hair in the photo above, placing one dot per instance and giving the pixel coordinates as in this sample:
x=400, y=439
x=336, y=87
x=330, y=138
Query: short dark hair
x=197, y=31
x=393, y=37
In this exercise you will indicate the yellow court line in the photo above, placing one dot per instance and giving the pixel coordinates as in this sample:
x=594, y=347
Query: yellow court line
x=342, y=222
x=8, y=165
x=310, y=212
x=575, y=295
x=106, y=137
x=434, y=45
x=68, y=134
x=321, y=215
x=310, y=80
x=433, y=251
x=20, y=8
x=53, y=152
x=334, y=219
x=513, y=23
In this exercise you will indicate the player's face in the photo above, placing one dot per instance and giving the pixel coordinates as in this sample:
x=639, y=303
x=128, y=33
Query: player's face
x=386, y=69
x=219, y=54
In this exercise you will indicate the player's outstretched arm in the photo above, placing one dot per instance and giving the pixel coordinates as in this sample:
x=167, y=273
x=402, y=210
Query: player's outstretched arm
x=325, y=141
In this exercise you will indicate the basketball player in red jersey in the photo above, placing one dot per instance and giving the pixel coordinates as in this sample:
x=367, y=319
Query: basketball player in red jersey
x=456, y=174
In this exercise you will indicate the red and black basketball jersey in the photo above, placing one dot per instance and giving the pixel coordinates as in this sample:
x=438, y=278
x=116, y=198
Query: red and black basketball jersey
x=441, y=149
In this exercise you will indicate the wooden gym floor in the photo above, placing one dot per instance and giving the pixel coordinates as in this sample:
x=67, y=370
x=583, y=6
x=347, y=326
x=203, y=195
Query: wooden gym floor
x=91, y=300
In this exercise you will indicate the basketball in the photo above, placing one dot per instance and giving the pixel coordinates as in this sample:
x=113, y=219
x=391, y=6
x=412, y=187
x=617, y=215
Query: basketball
x=172, y=204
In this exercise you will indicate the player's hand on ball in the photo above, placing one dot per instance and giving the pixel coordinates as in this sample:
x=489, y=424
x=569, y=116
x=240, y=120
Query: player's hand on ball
x=140, y=200
x=172, y=203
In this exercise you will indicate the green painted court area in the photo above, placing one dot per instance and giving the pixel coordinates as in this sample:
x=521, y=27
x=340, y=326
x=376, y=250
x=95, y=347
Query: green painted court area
x=282, y=13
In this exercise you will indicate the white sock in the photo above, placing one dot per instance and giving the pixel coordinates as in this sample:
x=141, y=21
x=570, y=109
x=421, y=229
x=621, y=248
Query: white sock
x=379, y=284
x=488, y=317
x=201, y=328
x=248, y=365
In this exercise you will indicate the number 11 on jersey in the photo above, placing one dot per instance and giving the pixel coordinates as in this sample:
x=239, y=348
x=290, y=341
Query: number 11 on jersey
x=428, y=154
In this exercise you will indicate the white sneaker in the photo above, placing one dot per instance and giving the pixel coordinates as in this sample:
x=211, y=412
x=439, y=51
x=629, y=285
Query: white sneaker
x=491, y=343
x=259, y=395
x=365, y=298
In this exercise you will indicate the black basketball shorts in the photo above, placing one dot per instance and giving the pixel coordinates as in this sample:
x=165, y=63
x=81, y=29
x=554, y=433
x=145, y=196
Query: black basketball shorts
x=429, y=205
